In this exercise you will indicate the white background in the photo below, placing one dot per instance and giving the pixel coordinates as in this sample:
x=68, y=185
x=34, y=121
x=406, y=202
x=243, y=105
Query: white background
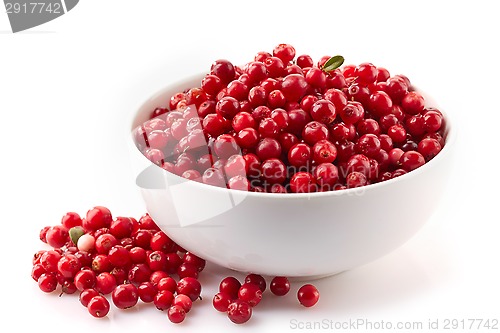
x=69, y=87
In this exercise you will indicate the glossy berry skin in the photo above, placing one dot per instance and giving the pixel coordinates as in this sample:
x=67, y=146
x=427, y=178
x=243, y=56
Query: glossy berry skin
x=302, y=182
x=125, y=296
x=230, y=286
x=273, y=171
x=97, y=217
x=163, y=300
x=221, y=301
x=256, y=279
x=47, y=282
x=411, y=160
x=250, y=293
x=86, y=295
x=280, y=286
x=176, y=314
x=239, y=311
x=308, y=295
x=300, y=155
x=323, y=111
x=98, y=306
x=190, y=287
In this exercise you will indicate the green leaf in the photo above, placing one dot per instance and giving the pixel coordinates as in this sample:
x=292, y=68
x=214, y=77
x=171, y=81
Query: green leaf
x=332, y=63
x=75, y=233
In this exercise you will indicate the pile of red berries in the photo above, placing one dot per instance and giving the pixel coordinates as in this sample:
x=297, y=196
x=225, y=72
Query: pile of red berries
x=126, y=260
x=283, y=124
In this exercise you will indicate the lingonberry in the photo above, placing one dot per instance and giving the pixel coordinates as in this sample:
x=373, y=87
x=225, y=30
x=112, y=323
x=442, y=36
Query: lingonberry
x=304, y=61
x=413, y=103
x=302, y=182
x=105, y=283
x=256, y=279
x=352, y=112
x=314, y=131
x=397, y=133
x=273, y=171
x=280, y=285
x=161, y=242
x=368, y=126
x=224, y=70
x=227, y=107
x=176, y=314
x=183, y=301
x=125, y=296
x=368, y=144
x=308, y=295
x=98, y=306
x=366, y=73
x=68, y=265
x=380, y=103
x=274, y=66
x=167, y=283
x=230, y=286
x=57, y=236
x=190, y=287
x=297, y=119
x=37, y=271
x=323, y=111
x=429, y=148
x=147, y=292
x=105, y=242
x=214, y=177
x=121, y=227
x=85, y=279
x=268, y=148
x=49, y=260
x=285, y=52
x=163, y=299
x=189, y=270
x=300, y=155
x=256, y=72
x=294, y=87
x=221, y=301
x=70, y=220
x=326, y=176
x=139, y=273
x=411, y=160
x=47, y=282
x=97, y=217
x=251, y=293
x=324, y=151
x=214, y=124
x=356, y=179
x=239, y=311
x=432, y=121
x=86, y=295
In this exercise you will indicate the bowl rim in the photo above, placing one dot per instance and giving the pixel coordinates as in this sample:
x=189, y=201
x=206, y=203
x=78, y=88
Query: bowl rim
x=450, y=138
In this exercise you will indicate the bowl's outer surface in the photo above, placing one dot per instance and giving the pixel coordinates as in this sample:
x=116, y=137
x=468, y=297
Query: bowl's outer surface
x=296, y=235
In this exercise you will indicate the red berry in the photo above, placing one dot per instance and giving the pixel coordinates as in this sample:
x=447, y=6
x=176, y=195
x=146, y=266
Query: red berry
x=190, y=287
x=239, y=311
x=251, y=293
x=256, y=279
x=98, y=306
x=308, y=295
x=176, y=314
x=230, y=286
x=47, y=282
x=280, y=286
x=411, y=160
x=86, y=295
x=97, y=217
x=147, y=292
x=57, y=236
x=323, y=111
x=163, y=299
x=125, y=296
x=221, y=301
x=302, y=182
x=294, y=87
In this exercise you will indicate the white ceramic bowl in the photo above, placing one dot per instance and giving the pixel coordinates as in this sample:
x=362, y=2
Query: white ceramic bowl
x=295, y=235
